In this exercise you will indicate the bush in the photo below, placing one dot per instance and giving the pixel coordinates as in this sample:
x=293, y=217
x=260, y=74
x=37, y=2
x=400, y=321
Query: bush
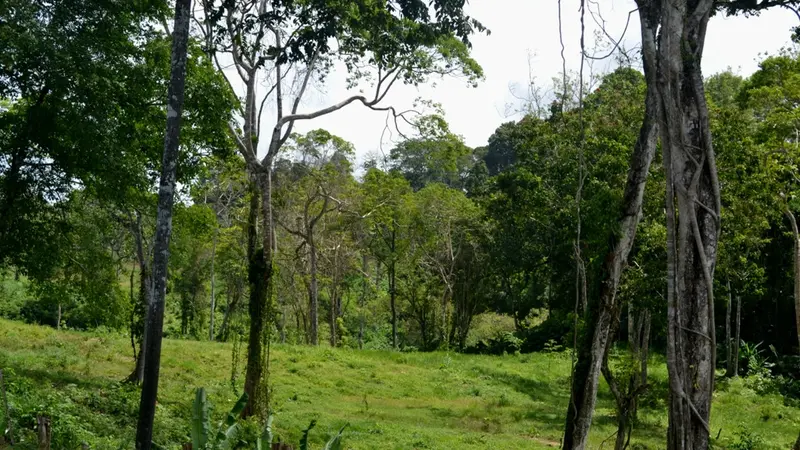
x=747, y=440
x=488, y=326
x=506, y=342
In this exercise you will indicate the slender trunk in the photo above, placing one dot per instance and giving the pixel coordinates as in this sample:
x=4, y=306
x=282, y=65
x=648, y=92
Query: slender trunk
x=140, y=308
x=166, y=191
x=604, y=311
x=213, y=285
x=58, y=319
x=796, y=255
x=334, y=299
x=393, y=291
x=133, y=315
x=234, y=295
x=622, y=432
x=258, y=277
x=728, y=340
x=313, y=291
x=363, y=300
x=644, y=347
x=737, y=339
x=393, y=303
x=282, y=325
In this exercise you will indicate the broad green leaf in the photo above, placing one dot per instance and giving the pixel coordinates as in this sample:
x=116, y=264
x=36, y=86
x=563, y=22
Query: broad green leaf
x=200, y=421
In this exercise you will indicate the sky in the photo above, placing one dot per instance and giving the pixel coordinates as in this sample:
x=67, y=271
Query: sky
x=524, y=40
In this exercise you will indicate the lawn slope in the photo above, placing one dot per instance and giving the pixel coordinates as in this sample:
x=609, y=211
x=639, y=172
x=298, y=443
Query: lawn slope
x=391, y=400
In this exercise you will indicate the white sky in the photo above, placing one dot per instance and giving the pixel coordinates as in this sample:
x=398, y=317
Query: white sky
x=523, y=27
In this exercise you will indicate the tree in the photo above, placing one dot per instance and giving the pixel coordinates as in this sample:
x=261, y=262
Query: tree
x=321, y=175
x=693, y=207
x=445, y=222
x=386, y=206
x=603, y=312
x=276, y=41
x=166, y=193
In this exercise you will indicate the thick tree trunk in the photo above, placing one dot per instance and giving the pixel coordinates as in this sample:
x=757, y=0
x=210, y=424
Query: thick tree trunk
x=796, y=255
x=603, y=312
x=166, y=191
x=213, y=285
x=692, y=229
x=260, y=273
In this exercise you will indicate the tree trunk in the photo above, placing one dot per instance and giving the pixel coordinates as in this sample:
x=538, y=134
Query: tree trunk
x=166, y=191
x=58, y=318
x=313, y=304
x=796, y=255
x=234, y=296
x=334, y=298
x=213, y=285
x=644, y=346
x=692, y=229
x=393, y=291
x=140, y=308
x=44, y=432
x=729, y=372
x=260, y=272
x=737, y=341
x=363, y=300
x=393, y=302
x=604, y=311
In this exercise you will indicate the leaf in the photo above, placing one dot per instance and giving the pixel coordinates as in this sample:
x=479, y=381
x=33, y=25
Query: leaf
x=200, y=421
x=266, y=438
x=230, y=425
x=335, y=443
x=304, y=439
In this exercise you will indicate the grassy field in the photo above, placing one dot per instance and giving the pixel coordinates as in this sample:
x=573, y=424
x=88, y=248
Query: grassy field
x=391, y=400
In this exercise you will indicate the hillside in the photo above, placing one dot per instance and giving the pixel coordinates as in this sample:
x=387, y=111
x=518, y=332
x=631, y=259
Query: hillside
x=391, y=400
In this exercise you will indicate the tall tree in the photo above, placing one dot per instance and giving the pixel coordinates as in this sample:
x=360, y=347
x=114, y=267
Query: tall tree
x=603, y=311
x=281, y=40
x=166, y=193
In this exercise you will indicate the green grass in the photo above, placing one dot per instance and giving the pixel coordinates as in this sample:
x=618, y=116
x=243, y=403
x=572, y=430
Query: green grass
x=391, y=400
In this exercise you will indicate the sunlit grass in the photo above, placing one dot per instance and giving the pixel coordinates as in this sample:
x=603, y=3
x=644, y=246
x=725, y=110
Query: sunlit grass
x=391, y=400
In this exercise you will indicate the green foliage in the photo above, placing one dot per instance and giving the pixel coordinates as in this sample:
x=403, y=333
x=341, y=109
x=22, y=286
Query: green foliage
x=747, y=440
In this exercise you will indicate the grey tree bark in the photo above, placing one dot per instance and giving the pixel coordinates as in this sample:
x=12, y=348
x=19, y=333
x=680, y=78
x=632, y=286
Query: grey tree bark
x=796, y=270
x=166, y=191
x=604, y=311
x=693, y=221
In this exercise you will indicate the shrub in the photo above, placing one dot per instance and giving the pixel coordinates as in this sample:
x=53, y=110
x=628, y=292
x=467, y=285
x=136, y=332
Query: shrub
x=747, y=440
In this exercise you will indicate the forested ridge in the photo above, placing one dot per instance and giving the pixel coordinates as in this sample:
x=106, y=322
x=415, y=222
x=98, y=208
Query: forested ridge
x=626, y=220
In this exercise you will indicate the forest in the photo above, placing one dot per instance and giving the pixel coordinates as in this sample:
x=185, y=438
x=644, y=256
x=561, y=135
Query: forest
x=187, y=261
